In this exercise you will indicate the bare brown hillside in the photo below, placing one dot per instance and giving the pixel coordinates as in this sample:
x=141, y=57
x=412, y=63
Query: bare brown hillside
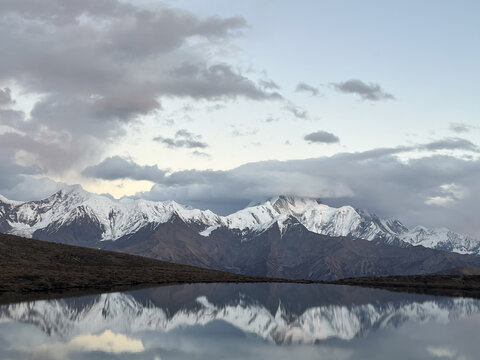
x=35, y=269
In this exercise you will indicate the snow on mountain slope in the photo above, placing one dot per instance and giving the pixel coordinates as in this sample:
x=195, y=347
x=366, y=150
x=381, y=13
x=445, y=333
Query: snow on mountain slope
x=254, y=219
x=114, y=219
x=316, y=217
x=441, y=238
x=346, y=221
x=123, y=313
x=343, y=221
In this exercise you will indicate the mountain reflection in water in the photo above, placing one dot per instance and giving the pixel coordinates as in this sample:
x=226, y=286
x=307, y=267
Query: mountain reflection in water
x=220, y=321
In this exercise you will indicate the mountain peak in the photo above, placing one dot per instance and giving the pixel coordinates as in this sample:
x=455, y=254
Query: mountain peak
x=72, y=189
x=111, y=219
x=293, y=205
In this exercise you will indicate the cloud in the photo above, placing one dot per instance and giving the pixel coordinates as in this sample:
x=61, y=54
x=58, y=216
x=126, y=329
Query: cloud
x=12, y=173
x=303, y=87
x=201, y=154
x=461, y=128
x=451, y=144
x=214, y=82
x=269, y=84
x=27, y=188
x=96, y=67
x=183, y=139
x=5, y=97
x=215, y=107
x=447, y=194
x=116, y=167
x=444, y=353
x=106, y=342
x=296, y=111
x=376, y=180
x=370, y=91
x=64, y=13
x=321, y=137
x=237, y=132
x=47, y=151
x=270, y=118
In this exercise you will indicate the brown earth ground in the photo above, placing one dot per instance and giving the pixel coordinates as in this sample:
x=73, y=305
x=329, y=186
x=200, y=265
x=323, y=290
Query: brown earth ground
x=463, y=282
x=34, y=269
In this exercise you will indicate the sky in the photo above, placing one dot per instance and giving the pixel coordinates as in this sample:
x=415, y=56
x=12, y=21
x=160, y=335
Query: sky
x=218, y=103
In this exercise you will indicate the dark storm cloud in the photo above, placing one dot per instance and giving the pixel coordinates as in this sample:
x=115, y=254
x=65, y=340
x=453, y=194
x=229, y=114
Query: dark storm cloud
x=116, y=167
x=97, y=65
x=183, y=139
x=367, y=91
x=303, y=87
x=321, y=137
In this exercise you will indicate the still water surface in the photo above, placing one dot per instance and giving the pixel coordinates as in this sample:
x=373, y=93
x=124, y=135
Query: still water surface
x=243, y=321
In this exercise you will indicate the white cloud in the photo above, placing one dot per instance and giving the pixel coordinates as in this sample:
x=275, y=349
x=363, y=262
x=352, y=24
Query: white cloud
x=450, y=193
x=107, y=342
x=444, y=353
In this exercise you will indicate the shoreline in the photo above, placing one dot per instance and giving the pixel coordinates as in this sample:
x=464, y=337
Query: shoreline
x=432, y=284
x=7, y=297
x=409, y=284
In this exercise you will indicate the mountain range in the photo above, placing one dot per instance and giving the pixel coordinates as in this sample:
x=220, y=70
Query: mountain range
x=287, y=236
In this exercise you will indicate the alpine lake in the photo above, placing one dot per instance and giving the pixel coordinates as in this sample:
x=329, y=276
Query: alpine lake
x=243, y=321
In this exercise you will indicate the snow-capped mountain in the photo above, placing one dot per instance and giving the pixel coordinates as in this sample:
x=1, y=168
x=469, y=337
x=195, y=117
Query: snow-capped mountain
x=124, y=313
x=316, y=217
x=73, y=214
x=106, y=218
x=350, y=222
x=442, y=239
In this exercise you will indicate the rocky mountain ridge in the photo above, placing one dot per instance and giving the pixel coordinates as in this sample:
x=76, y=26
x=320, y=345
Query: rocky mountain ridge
x=87, y=219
